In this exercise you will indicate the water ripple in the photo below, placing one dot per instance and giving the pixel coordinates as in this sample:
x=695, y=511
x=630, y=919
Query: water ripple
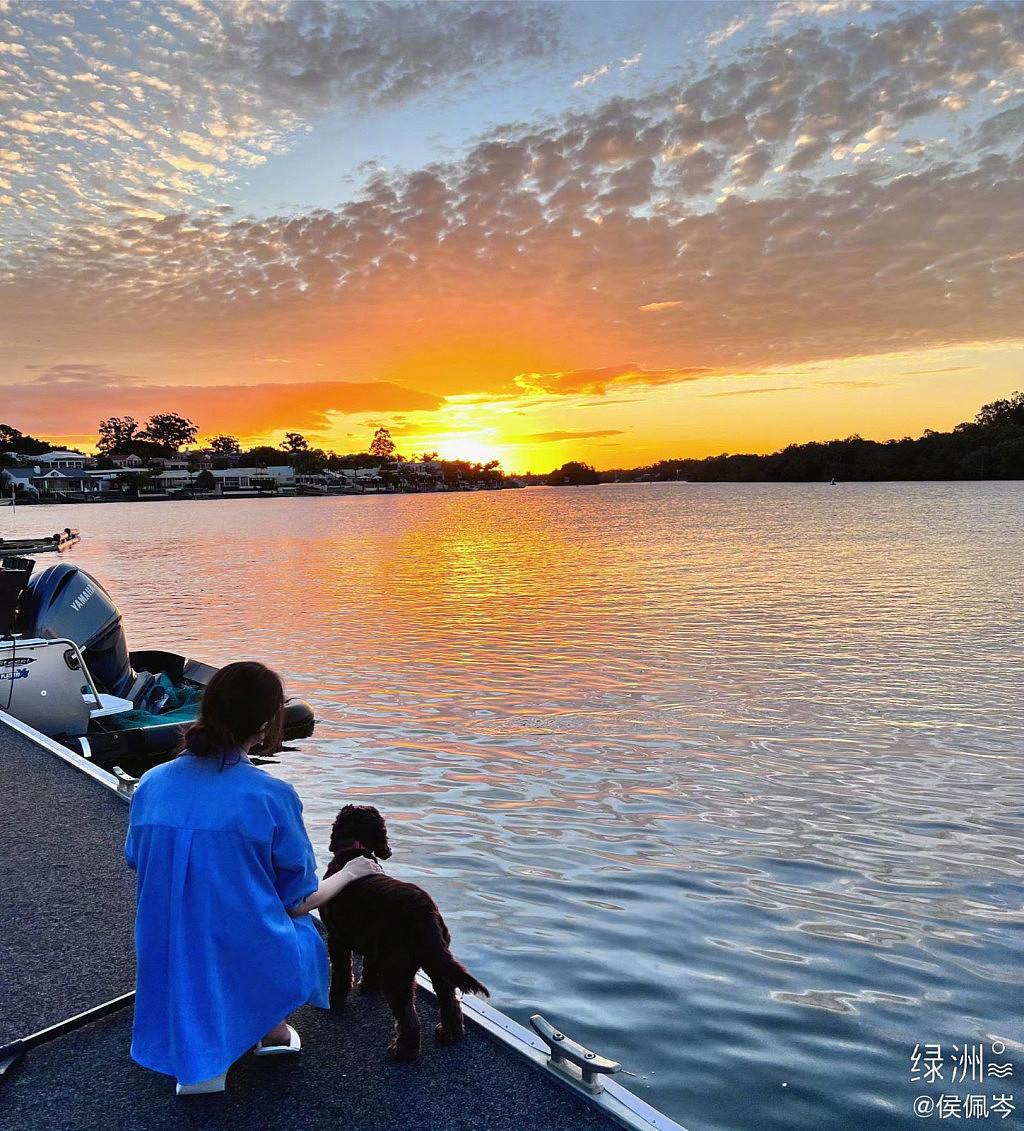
x=726, y=779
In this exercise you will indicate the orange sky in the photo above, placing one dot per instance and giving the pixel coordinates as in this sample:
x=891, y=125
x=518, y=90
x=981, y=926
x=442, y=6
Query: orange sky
x=816, y=233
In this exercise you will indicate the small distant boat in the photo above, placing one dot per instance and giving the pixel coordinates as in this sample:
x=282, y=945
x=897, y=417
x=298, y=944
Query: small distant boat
x=41, y=544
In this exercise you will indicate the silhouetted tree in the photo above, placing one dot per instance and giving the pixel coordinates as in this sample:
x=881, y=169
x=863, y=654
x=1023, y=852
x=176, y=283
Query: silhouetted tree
x=308, y=461
x=11, y=440
x=295, y=442
x=383, y=447
x=1009, y=411
x=264, y=456
x=170, y=431
x=573, y=474
x=224, y=446
x=116, y=433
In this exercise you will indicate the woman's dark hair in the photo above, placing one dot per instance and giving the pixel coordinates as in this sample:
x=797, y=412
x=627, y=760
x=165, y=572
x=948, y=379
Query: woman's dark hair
x=238, y=702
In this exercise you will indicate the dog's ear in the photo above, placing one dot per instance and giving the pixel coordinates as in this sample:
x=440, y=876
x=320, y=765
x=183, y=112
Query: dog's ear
x=342, y=828
x=378, y=842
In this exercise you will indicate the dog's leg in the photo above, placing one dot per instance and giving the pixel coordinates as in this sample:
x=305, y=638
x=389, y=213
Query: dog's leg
x=399, y=988
x=340, y=955
x=369, y=980
x=451, y=1027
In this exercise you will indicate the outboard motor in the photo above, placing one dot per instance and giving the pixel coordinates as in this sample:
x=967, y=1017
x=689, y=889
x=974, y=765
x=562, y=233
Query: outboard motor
x=64, y=601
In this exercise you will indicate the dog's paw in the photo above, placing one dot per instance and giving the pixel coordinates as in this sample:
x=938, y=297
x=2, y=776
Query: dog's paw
x=368, y=987
x=337, y=1002
x=445, y=1035
x=403, y=1049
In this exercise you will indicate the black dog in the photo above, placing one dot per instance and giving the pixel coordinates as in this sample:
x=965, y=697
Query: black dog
x=398, y=930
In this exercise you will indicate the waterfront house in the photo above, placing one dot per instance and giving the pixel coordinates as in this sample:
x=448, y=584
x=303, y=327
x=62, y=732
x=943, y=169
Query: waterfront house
x=58, y=483
x=241, y=478
x=49, y=482
x=280, y=478
x=354, y=478
x=20, y=478
x=63, y=461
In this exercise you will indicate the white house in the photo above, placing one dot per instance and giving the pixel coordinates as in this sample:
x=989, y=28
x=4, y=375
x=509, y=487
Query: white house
x=54, y=482
x=18, y=477
x=229, y=479
x=63, y=461
x=240, y=478
x=40, y=481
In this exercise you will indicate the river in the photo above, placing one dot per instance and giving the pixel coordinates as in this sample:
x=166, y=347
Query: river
x=726, y=780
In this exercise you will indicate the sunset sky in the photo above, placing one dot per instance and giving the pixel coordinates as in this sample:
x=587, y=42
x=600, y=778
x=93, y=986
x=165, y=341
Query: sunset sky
x=612, y=232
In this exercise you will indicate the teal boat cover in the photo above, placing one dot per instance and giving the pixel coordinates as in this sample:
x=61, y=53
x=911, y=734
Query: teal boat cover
x=168, y=703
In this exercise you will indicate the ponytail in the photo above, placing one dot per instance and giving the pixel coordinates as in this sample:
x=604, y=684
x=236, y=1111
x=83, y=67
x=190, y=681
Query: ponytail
x=241, y=700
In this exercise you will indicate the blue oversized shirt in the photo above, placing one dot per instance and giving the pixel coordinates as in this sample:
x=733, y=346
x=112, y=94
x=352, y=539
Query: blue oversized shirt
x=220, y=856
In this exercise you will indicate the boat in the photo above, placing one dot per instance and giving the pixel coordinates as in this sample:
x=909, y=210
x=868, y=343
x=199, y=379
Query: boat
x=61, y=541
x=66, y=671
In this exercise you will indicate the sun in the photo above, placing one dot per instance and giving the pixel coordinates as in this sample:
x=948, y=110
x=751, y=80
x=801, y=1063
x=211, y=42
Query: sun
x=472, y=448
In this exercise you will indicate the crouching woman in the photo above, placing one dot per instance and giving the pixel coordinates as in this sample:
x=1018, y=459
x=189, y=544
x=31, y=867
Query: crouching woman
x=225, y=947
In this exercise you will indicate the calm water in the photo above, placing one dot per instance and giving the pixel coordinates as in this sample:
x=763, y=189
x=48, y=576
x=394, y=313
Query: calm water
x=726, y=780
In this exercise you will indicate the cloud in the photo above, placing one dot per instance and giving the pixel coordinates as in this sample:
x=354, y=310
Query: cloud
x=946, y=369
x=756, y=392
x=867, y=383
x=606, y=69
x=736, y=25
x=599, y=381
x=558, y=437
x=91, y=377
x=166, y=104
x=252, y=410
x=737, y=205
x=787, y=10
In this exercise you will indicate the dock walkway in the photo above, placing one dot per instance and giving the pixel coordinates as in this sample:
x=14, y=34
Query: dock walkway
x=67, y=906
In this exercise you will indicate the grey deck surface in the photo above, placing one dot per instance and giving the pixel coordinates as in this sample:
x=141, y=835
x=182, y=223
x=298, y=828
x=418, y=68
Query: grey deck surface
x=67, y=904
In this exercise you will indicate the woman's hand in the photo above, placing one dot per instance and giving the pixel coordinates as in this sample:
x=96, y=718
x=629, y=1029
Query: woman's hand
x=329, y=888
x=359, y=867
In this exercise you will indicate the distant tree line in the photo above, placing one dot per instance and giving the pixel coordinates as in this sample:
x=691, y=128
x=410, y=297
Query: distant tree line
x=164, y=434
x=11, y=440
x=989, y=447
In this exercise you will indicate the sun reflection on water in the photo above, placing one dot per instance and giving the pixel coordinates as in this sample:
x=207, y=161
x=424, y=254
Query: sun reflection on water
x=762, y=740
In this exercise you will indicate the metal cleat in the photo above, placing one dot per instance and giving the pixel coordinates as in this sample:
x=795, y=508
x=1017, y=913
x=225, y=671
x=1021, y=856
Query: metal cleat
x=572, y=1060
x=125, y=782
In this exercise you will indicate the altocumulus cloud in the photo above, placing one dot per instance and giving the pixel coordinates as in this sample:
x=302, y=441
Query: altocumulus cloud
x=826, y=192
x=138, y=109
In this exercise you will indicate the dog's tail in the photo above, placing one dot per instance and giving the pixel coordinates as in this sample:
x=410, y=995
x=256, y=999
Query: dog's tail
x=444, y=965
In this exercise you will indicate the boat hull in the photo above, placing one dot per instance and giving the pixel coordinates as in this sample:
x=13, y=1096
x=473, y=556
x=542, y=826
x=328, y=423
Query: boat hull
x=137, y=749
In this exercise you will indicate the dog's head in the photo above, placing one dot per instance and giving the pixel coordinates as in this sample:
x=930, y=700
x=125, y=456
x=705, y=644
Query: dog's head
x=362, y=824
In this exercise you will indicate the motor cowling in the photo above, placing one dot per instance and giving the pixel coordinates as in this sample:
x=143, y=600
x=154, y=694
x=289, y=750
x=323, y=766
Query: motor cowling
x=64, y=601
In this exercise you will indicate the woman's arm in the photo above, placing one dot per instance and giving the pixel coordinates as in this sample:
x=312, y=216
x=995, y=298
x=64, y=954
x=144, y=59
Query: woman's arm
x=329, y=888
